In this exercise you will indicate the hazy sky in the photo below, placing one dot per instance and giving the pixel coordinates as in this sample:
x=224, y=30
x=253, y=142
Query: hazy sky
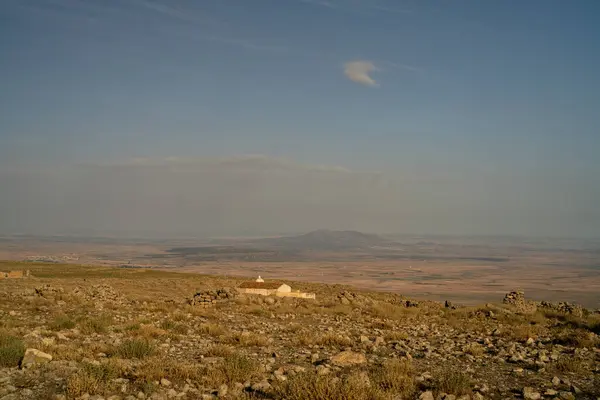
x=263, y=116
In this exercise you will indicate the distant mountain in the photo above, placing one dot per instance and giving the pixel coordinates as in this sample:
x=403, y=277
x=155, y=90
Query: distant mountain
x=325, y=240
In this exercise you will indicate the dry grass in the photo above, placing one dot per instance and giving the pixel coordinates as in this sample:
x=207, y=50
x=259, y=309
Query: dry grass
x=258, y=311
x=576, y=337
x=333, y=339
x=149, y=332
x=92, y=379
x=156, y=368
x=388, y=381
x=134, y=348
x=62, y=322
x=169, y=325
x=452, y=381
x=395, y=335
x=572, y=365
x=395, y=377
x=219, y=350
x=234, y=368
x=393, y=312
x=246, y=339
x=211, y=329
x=311, y=386
x=523, y=331
x=98, y=324
x=475, y=349
x=12, y=350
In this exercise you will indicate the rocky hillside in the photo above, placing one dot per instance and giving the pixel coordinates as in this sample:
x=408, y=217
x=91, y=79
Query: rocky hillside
x=73, y=332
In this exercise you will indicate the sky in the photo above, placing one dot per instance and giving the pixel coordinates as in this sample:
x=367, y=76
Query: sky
x=229, y=117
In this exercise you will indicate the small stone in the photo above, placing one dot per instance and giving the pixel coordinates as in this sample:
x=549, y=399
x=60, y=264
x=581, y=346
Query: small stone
x=223, y=389
x=478, y=396
x=323, y=370
x=428, y=395
x=550, y=392
x=364, y=339
x=530, y=394
x=556, y=381
x=141, y=395
x=567, y=396
x=165, y=382
x=262, y=386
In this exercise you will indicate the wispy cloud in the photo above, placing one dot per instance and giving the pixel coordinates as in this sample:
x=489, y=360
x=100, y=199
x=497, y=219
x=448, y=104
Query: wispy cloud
x=251, y=162
x=357, y=6
x=169, y=10
x=359, y=71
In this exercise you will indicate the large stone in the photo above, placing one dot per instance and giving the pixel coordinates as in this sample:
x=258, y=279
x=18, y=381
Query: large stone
x=35, y=357
x=348, y=358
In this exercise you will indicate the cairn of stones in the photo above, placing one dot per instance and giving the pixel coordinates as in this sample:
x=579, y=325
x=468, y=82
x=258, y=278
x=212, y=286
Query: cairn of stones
x=210, y=298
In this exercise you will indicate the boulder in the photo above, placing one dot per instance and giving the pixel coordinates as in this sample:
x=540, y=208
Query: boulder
x=35, y=357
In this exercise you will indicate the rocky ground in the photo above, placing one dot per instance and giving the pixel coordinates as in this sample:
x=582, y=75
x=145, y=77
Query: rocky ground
x=72, y=332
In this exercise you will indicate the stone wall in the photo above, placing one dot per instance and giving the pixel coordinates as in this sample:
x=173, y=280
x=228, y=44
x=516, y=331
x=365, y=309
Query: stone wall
x=299, y=295
x=210, y=298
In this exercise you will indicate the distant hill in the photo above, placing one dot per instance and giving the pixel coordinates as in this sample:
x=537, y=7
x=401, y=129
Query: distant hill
x=325, y=240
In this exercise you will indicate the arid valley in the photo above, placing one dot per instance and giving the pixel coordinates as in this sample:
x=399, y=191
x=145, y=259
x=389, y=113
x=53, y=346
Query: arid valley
x=466, y=270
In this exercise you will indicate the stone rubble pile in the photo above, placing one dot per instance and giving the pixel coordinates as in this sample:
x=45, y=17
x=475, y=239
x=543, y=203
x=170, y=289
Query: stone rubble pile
x=562, y=307
x=48, y=291
x=210, y=298
x=101, y=292
x=347, y=297
x=518, y=301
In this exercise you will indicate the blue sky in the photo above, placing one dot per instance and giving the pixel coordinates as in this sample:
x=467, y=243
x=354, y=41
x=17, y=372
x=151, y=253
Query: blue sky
x=488, y=94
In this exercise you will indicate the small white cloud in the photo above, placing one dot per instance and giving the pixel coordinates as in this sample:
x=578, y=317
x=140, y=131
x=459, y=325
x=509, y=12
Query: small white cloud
x=359, y=72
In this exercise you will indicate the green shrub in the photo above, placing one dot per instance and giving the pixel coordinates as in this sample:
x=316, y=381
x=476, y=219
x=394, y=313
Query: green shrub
x=12, y=350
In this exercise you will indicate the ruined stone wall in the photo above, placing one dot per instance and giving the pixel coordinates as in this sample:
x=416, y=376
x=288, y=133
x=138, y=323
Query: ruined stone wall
x=298, y=295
